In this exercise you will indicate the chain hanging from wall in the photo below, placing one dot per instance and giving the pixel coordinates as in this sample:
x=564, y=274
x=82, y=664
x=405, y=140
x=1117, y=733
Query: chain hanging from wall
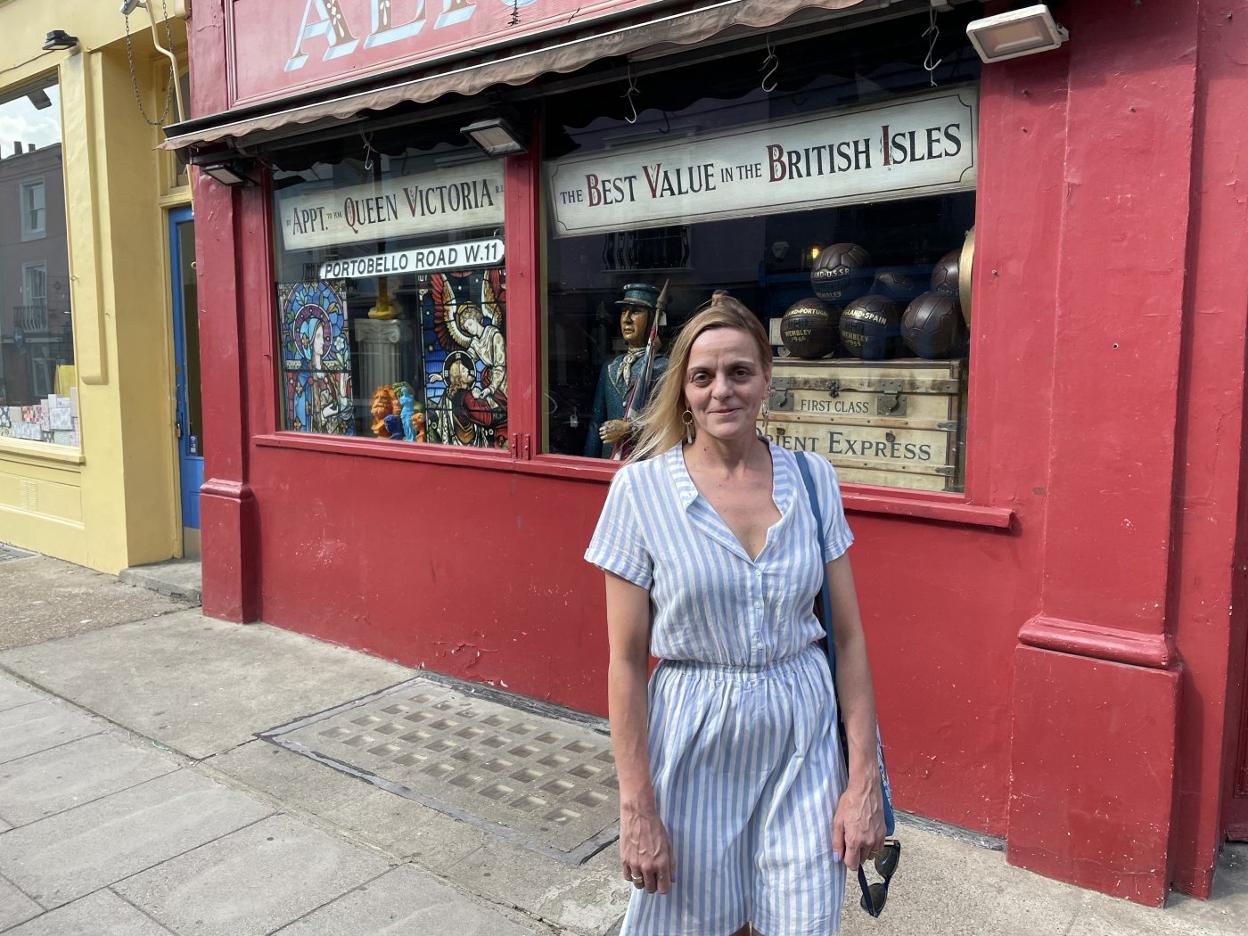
x=515, y=13
x=134, y=79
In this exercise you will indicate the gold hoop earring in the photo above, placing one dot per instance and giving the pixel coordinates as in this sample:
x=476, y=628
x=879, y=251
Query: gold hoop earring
x=687, y=418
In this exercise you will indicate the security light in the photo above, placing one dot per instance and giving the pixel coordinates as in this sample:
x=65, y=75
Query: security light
x=58, y=40
x=230, y=172
x=39, y=99
x=495, y=136
x=1015, y=34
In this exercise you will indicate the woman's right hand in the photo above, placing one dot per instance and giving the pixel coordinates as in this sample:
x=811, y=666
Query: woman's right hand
x=645, y=850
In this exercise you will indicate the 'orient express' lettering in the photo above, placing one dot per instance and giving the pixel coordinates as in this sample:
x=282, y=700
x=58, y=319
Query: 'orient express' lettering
x=841, y=444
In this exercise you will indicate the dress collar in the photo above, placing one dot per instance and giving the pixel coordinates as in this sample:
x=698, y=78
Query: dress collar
x=782, y=477
x=686, y=490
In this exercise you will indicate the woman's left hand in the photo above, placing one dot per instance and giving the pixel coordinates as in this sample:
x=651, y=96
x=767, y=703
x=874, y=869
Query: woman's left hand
x=858, y=826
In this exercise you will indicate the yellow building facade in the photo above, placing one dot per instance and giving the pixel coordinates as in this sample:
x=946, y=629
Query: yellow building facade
x=89, y=415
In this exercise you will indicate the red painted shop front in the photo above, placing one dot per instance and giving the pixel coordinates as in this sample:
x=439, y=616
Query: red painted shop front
x=1057, y=637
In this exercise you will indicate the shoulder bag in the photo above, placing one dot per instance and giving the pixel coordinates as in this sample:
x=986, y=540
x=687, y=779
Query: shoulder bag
x=886, y=863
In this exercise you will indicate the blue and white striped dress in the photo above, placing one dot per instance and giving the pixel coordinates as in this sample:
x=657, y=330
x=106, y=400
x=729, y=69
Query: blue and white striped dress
x=744, y=754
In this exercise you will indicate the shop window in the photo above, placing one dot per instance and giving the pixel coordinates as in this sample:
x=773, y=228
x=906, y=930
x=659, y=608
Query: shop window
x=38, y=384
x=835, y=205
x=390, y=294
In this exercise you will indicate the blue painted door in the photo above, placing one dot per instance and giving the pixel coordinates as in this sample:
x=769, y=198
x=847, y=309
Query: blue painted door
x=189, y=411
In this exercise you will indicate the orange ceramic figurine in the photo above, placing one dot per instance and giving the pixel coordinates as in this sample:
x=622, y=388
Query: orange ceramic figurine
x=384, y=404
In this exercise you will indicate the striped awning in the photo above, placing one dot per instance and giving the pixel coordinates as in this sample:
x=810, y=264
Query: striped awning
x=651, y=32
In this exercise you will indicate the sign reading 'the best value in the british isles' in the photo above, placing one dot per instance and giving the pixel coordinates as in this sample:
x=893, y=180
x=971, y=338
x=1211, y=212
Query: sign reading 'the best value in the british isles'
x=905, y=148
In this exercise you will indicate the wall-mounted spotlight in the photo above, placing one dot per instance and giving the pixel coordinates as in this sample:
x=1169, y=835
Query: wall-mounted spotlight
x=59, y=40
x=231, y=172
x=496, y=137
x=39, y=98
x=1015, y=34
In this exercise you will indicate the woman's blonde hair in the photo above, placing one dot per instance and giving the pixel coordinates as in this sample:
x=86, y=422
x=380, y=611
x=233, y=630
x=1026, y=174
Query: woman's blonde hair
x=661, y=423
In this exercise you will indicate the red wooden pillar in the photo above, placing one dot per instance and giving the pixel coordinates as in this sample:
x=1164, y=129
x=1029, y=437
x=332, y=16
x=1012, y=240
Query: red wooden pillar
x=1210, y=584
x=227, y=508
x=1095, y=694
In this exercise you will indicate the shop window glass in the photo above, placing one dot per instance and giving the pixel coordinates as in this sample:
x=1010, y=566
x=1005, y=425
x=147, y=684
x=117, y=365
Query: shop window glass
x=391, y=296
x=847, y=249
x=38, y=384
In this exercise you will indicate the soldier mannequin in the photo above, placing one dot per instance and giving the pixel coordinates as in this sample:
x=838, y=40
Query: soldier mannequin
x=607, y=425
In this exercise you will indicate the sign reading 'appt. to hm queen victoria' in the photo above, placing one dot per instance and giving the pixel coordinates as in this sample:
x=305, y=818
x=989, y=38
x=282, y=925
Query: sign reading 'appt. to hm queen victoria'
x=907, y=147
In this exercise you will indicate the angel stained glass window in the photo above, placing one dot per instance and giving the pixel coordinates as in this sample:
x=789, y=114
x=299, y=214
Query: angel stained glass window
x=465, y=358
x=391, y=295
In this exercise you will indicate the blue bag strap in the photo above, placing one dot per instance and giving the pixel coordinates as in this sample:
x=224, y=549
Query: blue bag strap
x=825, y=601
x=825, y=596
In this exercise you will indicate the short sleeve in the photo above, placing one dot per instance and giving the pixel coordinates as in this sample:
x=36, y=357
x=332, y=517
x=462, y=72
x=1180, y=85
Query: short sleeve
x=617, y=545
x=837, y=537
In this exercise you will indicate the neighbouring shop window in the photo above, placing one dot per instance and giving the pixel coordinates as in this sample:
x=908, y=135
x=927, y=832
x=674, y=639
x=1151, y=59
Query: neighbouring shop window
x=391, y=298
x=836, y=206
x=38, y=383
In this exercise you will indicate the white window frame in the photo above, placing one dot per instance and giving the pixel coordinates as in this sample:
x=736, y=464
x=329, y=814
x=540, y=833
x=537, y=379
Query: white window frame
x=41, y=265
x=29, y=231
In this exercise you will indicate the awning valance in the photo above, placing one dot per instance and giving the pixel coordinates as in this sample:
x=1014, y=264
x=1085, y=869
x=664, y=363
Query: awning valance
x=560, y=55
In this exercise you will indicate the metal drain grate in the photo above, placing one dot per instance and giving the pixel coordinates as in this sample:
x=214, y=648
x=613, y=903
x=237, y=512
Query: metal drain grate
x=541, y=782
x=12, y=552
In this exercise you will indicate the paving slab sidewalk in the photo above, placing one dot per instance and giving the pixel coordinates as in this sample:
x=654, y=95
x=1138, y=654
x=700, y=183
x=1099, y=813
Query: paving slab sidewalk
x=114, y=834
x=186, y=698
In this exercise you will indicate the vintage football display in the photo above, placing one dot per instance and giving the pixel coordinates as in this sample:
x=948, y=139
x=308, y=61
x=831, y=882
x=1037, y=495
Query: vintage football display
x=871, y=327
x=932, y=326
x=945, y=274
x=901, y=284
x=841, y=272
x=809, y=328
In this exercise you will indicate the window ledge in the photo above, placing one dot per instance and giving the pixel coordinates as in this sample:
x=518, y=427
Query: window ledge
x=941, y=508
x=932, y=507
x=41, y=451
x=556, y=466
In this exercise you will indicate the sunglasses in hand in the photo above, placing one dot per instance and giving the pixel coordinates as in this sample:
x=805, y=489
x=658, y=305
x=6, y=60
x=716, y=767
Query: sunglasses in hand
x=875, y=895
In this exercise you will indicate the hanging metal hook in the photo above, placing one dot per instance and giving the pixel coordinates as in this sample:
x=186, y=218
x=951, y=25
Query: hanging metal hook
x=771, y=65
x=933, y=31
x=667, y=124
x=368, y=150
x=629, y=93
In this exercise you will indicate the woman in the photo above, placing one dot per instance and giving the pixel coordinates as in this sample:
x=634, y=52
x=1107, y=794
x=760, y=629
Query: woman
x=735, y=810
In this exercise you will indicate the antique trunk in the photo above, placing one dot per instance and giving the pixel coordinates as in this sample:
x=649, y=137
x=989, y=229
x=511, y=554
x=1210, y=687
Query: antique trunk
x=890, y=423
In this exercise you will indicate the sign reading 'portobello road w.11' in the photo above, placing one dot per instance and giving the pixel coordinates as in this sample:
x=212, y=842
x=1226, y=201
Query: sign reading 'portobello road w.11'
x=461, y=256
x=465, y=197
x=907, y=147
